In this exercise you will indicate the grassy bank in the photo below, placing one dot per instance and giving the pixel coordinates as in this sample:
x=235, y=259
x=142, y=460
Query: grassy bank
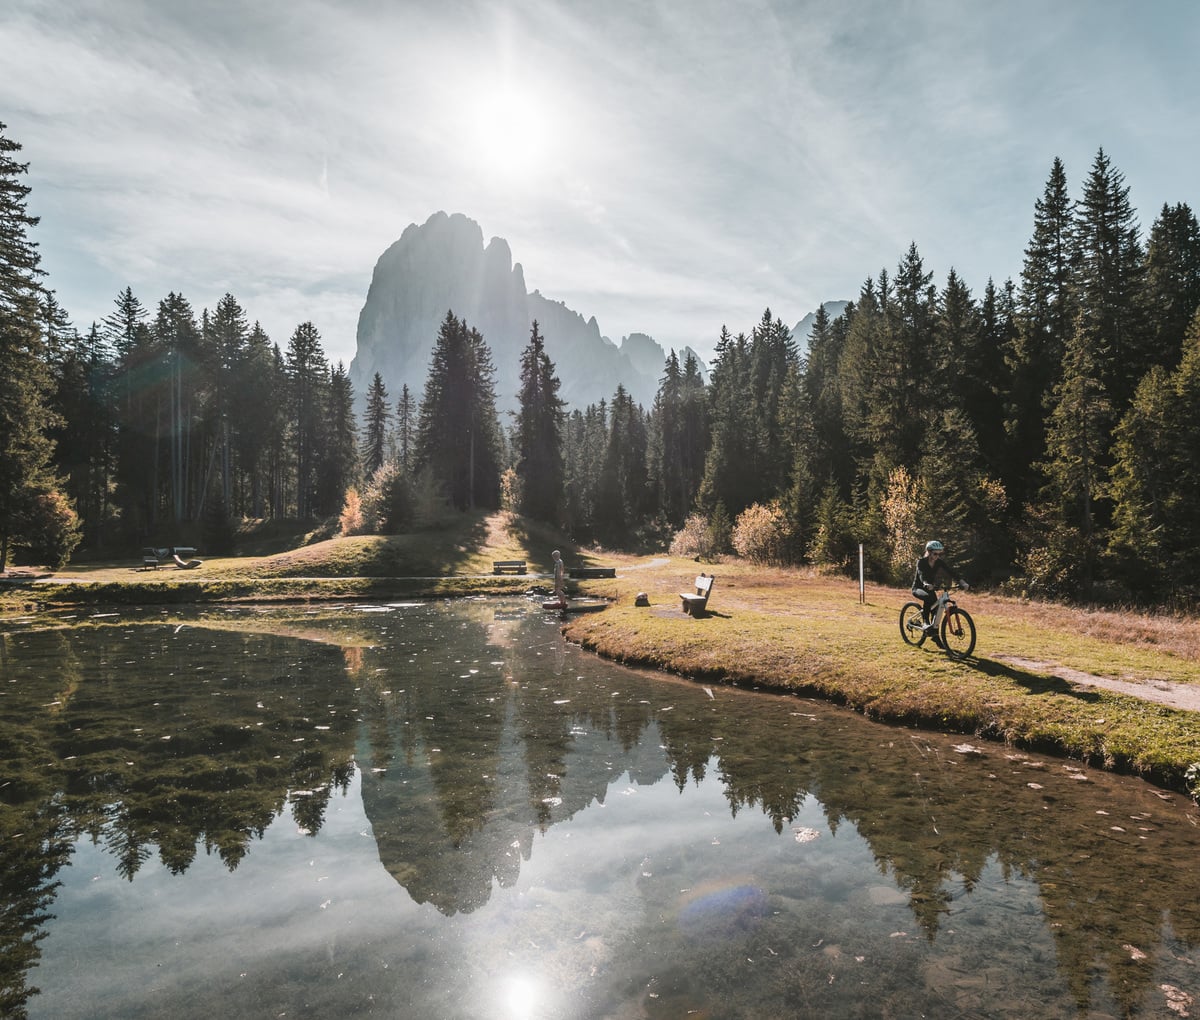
x=780, y=629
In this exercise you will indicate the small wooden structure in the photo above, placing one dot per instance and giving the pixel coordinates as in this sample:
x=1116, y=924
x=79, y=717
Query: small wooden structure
x=593, y=572
x=697, y=602
x=149, y=560
x=508, y=566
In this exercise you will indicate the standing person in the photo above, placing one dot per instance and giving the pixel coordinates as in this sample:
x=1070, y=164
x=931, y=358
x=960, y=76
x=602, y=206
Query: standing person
x=560, y=593
x=925, y=581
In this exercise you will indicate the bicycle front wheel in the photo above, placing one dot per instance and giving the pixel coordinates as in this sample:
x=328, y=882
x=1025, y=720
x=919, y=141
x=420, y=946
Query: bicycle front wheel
x=912, y=627
x=958, y=633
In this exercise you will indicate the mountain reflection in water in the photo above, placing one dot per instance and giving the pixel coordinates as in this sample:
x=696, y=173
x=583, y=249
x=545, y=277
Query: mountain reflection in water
x=558, y=836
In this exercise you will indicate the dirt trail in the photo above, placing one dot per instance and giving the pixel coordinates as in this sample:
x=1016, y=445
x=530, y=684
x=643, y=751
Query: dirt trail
x=1163, y=692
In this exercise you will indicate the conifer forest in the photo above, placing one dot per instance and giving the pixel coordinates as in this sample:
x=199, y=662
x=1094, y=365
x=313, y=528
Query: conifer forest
x=1045, y=428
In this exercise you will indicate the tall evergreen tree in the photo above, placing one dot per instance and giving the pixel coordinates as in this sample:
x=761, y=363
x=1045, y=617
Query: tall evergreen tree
x=1172, y=281
x=731, y=475
x=458, y=435
x=307, y=371
x=1155, y=482
x=1077, y=438
x=85, y=440
x=223, y=343
x=1110, y=280
x=177, y=337
x=258, y=384
x=1045, y=308
x=665, y=468
x=27, y=480
x=406, y=428
x=539, y=433
x=139, y=386
x=375, y=426
x=339, y=462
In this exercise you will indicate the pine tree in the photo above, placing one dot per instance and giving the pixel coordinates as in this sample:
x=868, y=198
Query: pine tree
x=828, y=455
x=458, y=436
x=1077, y=438
x=735, y=453
x=664, y=423
x=1110, y=280
x=139, y=388
x=85, y=440
x=339, y=462
x=29, y=498
x=1172, y=281
x=1155, y=481
x=258, y=385
x=1045, y=313
x=406, y=424
x=308, y=372
x=375, y=426
x=539, y=433
x=223, y=348
x=177, y=337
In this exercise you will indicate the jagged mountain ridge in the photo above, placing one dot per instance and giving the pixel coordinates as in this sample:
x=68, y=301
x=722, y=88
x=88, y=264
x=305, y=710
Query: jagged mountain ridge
x=802, y=331
x=443, y=265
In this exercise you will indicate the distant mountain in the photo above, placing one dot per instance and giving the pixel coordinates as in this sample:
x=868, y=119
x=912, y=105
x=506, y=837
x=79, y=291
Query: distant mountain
x=443, y=265
x=803, y=329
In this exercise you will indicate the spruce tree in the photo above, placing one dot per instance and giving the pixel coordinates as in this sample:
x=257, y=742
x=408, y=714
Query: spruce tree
x=339, y=468
x=223, y=343
x=1077, y=438
x=375, y=426
x=458, y=436
x=1045, y=304
x=406, y=425
x=1172, y=282
x=28, y=486
x=1110, y=280
x=539, y=433
x=308, y=378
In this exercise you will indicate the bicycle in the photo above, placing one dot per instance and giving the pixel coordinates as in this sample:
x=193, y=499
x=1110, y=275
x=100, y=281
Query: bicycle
x=952, y=625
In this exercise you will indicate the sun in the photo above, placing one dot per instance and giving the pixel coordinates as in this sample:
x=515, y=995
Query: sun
x=512, y=134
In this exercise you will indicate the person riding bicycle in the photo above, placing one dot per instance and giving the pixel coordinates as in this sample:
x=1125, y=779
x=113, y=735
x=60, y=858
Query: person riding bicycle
x=925, y=581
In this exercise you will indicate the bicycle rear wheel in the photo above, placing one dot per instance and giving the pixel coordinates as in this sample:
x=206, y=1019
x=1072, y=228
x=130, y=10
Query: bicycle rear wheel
x=912, y=627
x=958, y=633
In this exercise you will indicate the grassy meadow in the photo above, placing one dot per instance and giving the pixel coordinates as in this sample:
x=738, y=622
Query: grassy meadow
x=781, y=629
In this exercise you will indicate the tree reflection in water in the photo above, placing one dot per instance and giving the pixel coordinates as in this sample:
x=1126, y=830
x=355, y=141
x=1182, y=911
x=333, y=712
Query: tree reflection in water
x=477, y=732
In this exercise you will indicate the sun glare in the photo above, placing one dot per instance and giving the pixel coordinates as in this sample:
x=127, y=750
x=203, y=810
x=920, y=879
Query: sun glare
x=512, y=133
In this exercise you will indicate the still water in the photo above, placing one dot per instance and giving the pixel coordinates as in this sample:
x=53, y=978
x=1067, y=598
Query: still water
x=442, y=810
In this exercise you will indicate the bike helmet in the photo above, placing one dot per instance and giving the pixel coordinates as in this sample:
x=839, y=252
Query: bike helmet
x=934, y=546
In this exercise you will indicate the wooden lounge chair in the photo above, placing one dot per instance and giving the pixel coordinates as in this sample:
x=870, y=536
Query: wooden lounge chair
x=183, y=564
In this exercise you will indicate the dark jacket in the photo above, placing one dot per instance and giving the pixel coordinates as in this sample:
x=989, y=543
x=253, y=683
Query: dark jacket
x=926, y=577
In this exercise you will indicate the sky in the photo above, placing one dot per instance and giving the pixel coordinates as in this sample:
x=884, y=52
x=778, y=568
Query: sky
x=667, y=166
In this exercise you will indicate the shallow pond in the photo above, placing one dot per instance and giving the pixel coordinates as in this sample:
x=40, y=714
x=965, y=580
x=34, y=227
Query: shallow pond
x=443, y=810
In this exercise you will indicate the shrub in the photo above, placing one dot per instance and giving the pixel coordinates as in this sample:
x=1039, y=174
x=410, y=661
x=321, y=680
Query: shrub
x=51, y=529
x=761, y=534
x=351, y=518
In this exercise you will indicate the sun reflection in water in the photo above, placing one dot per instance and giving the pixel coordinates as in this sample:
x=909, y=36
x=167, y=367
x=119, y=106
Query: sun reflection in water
x=523, y=995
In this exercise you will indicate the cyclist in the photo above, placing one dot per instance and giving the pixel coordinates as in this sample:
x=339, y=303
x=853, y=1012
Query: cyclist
x=924, y=586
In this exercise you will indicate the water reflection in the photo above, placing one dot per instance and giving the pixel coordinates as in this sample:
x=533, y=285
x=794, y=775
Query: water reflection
x=569, y=838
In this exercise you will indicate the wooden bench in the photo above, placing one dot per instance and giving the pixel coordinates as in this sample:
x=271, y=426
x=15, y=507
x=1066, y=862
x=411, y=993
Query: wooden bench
x=696, y=603
x=149, y=562
x=593, y=572
x=508, y=566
